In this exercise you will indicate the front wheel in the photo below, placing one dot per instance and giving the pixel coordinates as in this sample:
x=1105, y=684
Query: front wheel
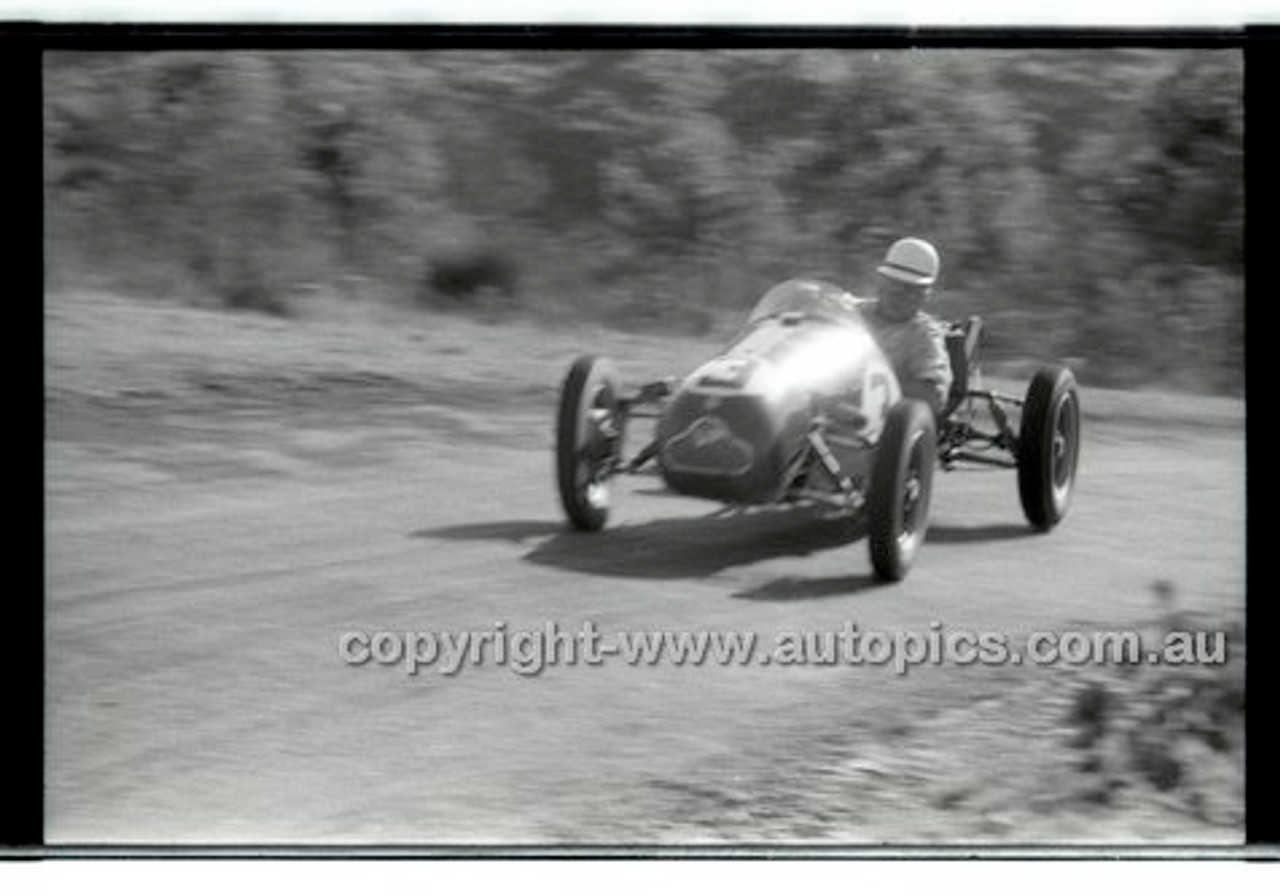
x=588, y=440
x=901, y=485
x=1049, y=446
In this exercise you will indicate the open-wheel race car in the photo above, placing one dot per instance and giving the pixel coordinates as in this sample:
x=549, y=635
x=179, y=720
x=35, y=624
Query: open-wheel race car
x=803, y=407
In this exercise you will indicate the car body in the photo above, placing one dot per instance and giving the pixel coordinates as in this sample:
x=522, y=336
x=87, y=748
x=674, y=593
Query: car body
x=802, y=406
x=737, y=427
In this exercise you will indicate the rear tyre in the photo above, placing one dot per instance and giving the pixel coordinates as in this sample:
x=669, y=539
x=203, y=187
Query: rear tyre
x=588, y=440
x=901, y=486
x=1049, y=446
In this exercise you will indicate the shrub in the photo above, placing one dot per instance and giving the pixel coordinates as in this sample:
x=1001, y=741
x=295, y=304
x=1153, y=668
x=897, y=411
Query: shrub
x=463, y=275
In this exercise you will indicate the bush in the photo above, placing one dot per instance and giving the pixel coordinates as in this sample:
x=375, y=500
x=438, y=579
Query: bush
x=460, y=277
x=1097, y=197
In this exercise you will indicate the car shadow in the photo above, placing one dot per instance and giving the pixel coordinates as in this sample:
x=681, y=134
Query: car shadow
x=669, y=548
x=786, y=589
x=515, y=531
x=972, y=534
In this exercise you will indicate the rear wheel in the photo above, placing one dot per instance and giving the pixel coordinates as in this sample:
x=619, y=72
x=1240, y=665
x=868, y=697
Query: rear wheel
x=901, y=486
x=1049, y=446
x=588, y=440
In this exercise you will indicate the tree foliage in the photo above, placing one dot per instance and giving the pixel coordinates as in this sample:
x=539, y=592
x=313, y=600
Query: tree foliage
x=1090, y=203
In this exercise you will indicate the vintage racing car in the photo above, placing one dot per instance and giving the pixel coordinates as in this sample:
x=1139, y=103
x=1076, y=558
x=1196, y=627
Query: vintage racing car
x=803, y=407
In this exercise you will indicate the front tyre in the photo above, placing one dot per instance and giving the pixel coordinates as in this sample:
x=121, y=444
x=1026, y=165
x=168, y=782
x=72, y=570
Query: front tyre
x=588, y=439
x=1049, y=446
x=901, y=486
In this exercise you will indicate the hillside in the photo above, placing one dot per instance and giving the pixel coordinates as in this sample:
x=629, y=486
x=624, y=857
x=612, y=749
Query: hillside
x=1089, y=203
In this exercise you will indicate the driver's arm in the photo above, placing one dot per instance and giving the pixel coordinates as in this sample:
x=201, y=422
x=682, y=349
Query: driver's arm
x=928, y=373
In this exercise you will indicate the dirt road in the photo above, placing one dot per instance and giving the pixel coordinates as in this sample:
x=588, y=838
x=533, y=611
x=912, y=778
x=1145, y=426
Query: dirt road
x=213, y=531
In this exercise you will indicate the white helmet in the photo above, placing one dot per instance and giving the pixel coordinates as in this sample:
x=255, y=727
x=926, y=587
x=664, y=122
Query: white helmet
x=911, y=261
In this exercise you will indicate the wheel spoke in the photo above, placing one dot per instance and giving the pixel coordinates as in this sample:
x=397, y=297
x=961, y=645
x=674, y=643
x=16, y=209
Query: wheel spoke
x=589, y=435
x=597, y=493
x=1062, y=452
x=912, y=495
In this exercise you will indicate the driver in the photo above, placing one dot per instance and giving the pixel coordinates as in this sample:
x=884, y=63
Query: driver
x=913, y=341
